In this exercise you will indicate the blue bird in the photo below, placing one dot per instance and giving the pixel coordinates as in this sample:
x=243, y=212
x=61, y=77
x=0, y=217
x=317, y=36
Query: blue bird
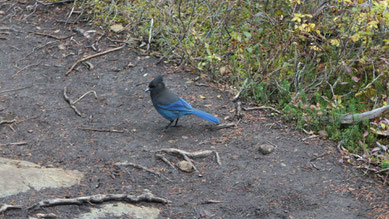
x=170, y=106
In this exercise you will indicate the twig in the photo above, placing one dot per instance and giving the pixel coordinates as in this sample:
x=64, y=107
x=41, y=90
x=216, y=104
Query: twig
x=14, y=143
x=25, y=67
x=7, y=121
x=261, y=108
x=383, y=170
x=53, y=36
x=5, y=207
x=126, y=163
x=225, y=125
x=100, y=198
x=238, y=112
x=70, y=102
x=164, y=159
x=93, y=56
x=16, y=89
x=240, y=90
x=320, y=156
x=150, y=33
x=210, y=201
x=101, y=130
x=52, y=3
x=82, y=96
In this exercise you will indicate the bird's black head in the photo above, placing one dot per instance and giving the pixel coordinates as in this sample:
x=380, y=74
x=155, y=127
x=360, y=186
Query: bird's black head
x=156, y=84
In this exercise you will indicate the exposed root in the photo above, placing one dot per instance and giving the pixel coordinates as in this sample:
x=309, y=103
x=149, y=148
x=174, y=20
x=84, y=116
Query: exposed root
x=93, y=56
x=164, y=159
x=5, y=207
x=187, y=155
x=98, y=199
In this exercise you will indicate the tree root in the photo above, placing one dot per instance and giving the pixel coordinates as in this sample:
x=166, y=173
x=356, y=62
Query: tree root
x=98, y=199
x=187, y=155
x=5, y=207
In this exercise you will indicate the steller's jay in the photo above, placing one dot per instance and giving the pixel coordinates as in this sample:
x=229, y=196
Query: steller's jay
x=170, y=106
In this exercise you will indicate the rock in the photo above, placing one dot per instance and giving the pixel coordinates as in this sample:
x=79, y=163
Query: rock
x=121, y=210
x=117, y=28
x=185, y=166
x=20, y=176
x=266, y=148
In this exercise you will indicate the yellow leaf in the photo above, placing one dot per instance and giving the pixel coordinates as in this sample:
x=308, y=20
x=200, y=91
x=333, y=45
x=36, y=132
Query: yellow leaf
x=202, y=97
x=335, y=42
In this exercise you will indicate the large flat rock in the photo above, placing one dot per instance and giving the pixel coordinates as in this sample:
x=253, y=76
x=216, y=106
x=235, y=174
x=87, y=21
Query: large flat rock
x=120, y=210
x=20, y=176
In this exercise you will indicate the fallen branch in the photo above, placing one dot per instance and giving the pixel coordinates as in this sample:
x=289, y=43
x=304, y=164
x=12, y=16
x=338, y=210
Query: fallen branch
x=101, y=130
x=5, y=207
x=261, y=108
x=352, y=118
x=100, y=198
x=126, y=163
x=72, y=103
x=93, y=56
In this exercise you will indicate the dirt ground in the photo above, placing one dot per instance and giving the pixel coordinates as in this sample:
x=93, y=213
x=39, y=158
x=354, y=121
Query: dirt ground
x=288, y=183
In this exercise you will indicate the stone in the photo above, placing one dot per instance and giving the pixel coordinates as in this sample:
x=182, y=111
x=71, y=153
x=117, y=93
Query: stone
x=185, y=166
x=117, y=28
x=121, y=210
x=266, y=148
x=18, y=176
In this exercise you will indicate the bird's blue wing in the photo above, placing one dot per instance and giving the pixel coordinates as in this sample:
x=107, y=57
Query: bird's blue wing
x=180, y=105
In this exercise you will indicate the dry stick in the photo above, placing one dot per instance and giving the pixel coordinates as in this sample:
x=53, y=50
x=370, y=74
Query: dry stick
x=261, y=108
x=7, y=121
x=25, y=67
x=71, y=103
x=53, y=36
x=14, y=143
x=100, y=198
x=126, y=163
x=225, y=125
x=16, y=89
x=101, y=130
x=164, y=159
x=5, y=207
x=67, y=99
x=93, y=56
x=240, y=90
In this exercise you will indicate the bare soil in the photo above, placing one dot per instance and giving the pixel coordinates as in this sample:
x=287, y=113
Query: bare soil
x=284, y=184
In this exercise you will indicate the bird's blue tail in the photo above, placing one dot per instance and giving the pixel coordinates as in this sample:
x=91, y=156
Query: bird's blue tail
x=205, y=116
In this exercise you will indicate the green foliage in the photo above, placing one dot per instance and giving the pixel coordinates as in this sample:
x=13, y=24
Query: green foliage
x=313, y=61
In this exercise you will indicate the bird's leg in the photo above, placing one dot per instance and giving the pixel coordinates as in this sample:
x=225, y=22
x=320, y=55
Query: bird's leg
x=171, y=122
x=176, y=122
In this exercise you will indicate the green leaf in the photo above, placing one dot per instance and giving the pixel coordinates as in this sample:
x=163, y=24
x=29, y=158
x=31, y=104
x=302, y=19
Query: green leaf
x=247, y=34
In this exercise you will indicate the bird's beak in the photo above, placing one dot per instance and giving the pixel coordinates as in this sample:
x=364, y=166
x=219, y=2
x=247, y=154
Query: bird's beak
x=147, y=90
